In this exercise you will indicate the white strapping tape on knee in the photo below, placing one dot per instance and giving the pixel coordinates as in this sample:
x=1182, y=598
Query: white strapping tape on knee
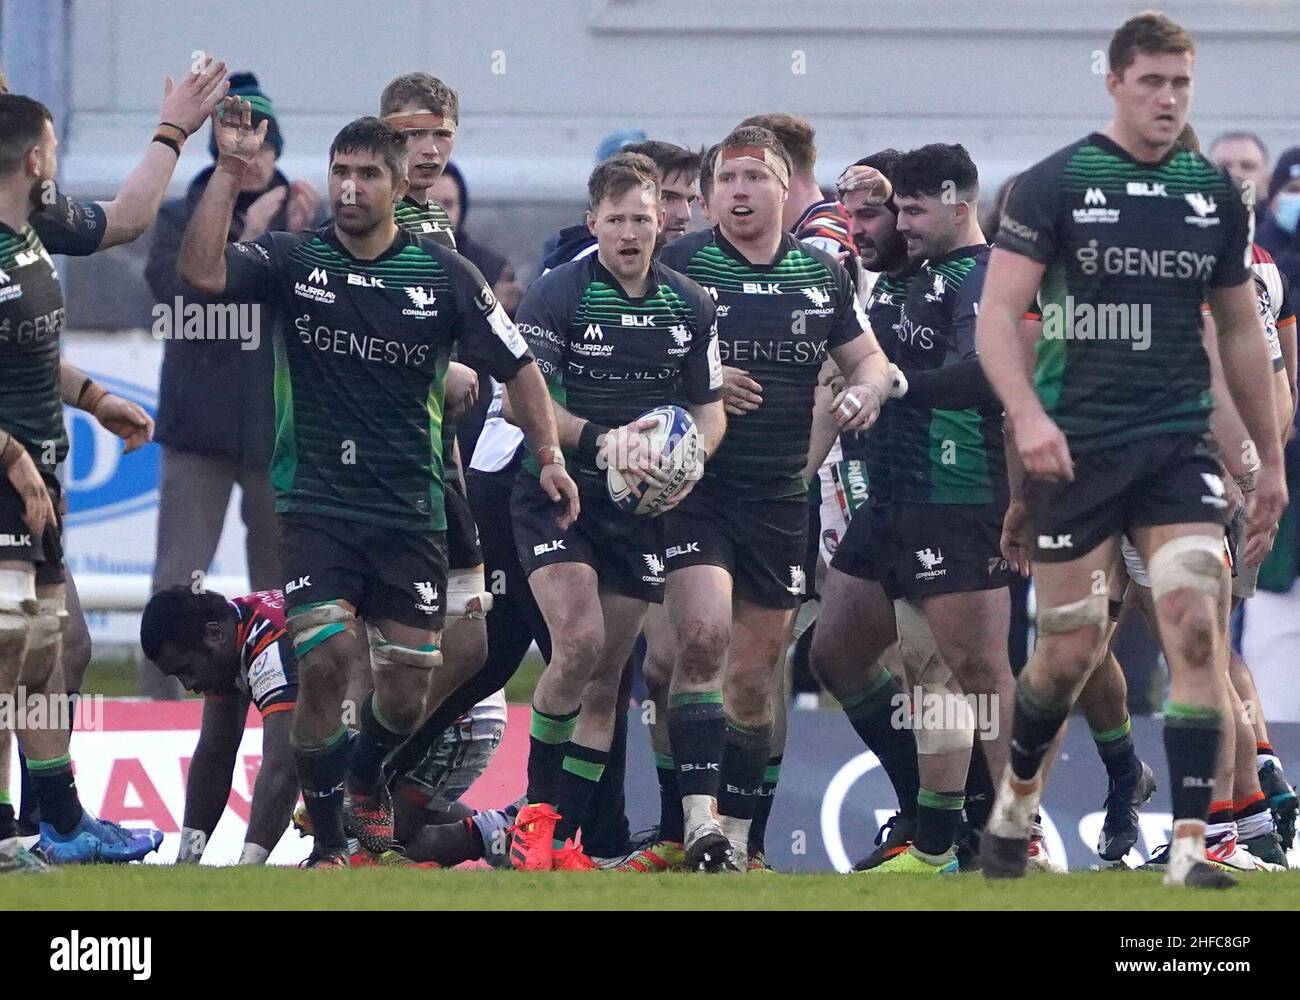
x=955, y=717
x=47, y=623
x=387, y=656
x=467, y=595
x=17, y=598
x=1192, y=562
x=922, y=661
x=1091, y=612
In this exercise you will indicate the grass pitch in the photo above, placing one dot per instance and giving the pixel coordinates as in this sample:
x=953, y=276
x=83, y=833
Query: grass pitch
x=148, y=887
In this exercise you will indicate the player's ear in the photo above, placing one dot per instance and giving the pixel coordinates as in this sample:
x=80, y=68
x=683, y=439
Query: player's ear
x=1112, y=82
x=591, y=222
x=400, y=189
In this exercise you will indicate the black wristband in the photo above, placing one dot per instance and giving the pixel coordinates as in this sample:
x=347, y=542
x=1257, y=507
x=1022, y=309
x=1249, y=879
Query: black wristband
x=183, y=131
x=589, y=439
x=169, y=142
x=84, y=386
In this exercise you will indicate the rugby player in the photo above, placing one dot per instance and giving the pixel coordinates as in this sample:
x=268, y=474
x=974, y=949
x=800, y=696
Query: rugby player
x=869, y=697
x=232, y=652
x=1112, y=440
x=1245, y=158
x=78, y=229
x=736, y=545
x=359, y=497
x=616, y=334
x=933, y=543
x=33, y=443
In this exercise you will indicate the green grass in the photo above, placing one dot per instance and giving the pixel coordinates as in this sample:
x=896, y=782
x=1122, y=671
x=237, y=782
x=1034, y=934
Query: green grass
x=186, y=888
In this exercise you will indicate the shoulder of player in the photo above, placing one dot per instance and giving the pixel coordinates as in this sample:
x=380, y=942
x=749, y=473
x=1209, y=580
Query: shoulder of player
x=687, y=288
x=677, y=254
x=834, y=268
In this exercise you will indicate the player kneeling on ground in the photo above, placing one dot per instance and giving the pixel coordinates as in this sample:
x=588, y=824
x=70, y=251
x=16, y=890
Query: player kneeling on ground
x=616, y=334
x=232, y=652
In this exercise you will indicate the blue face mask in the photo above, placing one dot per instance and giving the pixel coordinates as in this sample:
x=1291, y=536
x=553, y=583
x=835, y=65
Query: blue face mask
x=1286, y=209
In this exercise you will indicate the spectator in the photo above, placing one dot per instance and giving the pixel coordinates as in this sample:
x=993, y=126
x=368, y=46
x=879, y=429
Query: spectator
x=1246, y=158
x=215, y=409
x=1277, y=222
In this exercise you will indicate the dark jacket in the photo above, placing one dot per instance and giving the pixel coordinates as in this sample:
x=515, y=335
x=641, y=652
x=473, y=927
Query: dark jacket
x=1284, y=246
x=215, y=398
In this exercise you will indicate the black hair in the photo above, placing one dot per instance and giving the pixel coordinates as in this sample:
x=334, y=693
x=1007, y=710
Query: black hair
x=935, y=170
x=178, y=615
x=22, y=124
x=668, y=158
x=376, y=136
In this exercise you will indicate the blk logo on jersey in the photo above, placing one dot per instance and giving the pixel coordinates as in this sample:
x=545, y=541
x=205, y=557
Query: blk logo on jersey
x=365, y=280
x=299, y=584
x=629, y=320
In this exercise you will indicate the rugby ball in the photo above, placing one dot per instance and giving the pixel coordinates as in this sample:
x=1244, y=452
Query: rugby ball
x=675, y=436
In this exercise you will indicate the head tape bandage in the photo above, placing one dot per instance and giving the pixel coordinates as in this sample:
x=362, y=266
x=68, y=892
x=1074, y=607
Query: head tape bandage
x=760, y=154
x=419, y=120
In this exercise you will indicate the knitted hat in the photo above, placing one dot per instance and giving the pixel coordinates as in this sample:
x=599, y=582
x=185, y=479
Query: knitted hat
x=245, y=85
x=1287, y=170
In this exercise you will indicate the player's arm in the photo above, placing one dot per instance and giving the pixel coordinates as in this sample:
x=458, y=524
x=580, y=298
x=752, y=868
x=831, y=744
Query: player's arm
x=1015, y=524
x=202, y=260
x=857, y=354
x=208, y=786
x=492, y=335
x=185, y=107
x=1286, y=337
x=127, y=420
x=1244, y=354
x=825, y=430
x=274, y=792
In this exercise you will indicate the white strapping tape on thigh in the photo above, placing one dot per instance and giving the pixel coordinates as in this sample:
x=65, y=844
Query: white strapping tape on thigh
x=922, y=662
x=18, y=602
x=387, y=656
x=306, y=626
x=467, y=594
x=1091, y=612
x=47, y=623
x=1190, y=562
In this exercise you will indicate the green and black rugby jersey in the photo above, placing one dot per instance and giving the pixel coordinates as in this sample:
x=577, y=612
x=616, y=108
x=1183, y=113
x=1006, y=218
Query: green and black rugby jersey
x=72, y=228
x=429, y=220
x=361, y=358
x=1131, y=250
x=938, y=455
x=609, y=357
x=31, y=319
x=776, y=321
x=884, y=309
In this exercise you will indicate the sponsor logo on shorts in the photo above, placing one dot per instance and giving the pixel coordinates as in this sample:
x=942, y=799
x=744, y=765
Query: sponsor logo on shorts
x=15, y=541
x=830, y=540
x=675, y=551
x=997, y=564
x=798, y=581
x=1215, y=498
x=656, y=567
x=545, y=547
x=298, y=584
x=930, y=560
x=1056, y=541
x=428, y=592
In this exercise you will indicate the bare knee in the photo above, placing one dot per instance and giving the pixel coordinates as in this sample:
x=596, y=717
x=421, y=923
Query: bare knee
x=701, y=648
x=1194, y=626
